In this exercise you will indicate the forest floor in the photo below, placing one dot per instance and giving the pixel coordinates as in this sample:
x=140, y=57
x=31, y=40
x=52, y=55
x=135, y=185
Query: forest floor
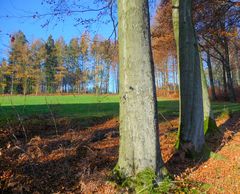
x=81, y=160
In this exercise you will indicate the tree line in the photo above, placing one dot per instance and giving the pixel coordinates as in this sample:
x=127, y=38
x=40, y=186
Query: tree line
x=86, y=65
x=82, y=66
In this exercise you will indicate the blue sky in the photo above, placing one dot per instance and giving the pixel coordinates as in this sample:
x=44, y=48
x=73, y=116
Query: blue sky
x=13, y=18
x=16, y=10
x=32, y=28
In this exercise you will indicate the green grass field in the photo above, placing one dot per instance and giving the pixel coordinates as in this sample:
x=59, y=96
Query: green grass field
x=82, y=107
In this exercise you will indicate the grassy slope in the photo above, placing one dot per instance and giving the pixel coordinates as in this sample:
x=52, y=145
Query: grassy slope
x=84, y=106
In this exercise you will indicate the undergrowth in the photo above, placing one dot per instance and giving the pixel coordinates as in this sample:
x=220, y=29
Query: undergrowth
x=146, y=182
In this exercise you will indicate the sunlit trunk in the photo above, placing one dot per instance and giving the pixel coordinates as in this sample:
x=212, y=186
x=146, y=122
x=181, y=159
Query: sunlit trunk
x=139, y=136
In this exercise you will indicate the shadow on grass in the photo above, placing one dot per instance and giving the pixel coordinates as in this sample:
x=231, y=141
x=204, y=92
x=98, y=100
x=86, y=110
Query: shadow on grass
x=49, y=119
x=168, y=108
x=67, y=116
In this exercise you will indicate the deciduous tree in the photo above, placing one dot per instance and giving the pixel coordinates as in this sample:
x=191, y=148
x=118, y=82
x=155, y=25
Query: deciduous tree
x=139, y=137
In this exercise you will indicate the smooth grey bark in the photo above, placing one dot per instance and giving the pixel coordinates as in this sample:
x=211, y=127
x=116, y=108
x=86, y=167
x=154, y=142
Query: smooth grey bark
x=191, y=129
x=139, y=135
x=210, y=73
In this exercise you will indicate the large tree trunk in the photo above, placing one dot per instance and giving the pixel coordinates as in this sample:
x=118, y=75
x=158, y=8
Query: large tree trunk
x=139, y=136
x=191, y=130
x=209, y=64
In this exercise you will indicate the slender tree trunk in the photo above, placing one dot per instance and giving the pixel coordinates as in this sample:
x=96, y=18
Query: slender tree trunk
x=209, y=64
x=236, y=72
x=101, y=82
x=37, y=88
x=113, y=79
x=232, y=95
x=61, y=86
x=139, y=136
x=156, y=79
x=167, y=77
x=191, y=131
x=159, y=80
x=96, y=74
x=12, y=85
x=107, y=78
x=237, y=59
x=117, y=83
x=24, y=86
x=225, y=91
x=78, y=87
x=173, y=74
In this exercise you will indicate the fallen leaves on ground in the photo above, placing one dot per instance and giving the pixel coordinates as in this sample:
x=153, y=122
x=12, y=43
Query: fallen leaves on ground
x=80, y=161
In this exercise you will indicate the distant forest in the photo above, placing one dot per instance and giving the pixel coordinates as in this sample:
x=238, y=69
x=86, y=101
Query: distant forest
x=82, y=66
x=90, y=64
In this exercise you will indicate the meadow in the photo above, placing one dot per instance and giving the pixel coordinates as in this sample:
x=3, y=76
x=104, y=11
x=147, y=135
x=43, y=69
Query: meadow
x=84, y=107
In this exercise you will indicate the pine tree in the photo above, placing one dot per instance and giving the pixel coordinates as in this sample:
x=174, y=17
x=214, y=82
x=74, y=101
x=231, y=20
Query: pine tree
x=84, y=46
x=19, y=62
x=3, y=74
x=50, y=65
x=38, y=54
x=61, y=70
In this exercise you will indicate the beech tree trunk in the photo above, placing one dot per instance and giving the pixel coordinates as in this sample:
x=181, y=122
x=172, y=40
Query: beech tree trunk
x=191, y=129
x=139, y=135
x=209, y=64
